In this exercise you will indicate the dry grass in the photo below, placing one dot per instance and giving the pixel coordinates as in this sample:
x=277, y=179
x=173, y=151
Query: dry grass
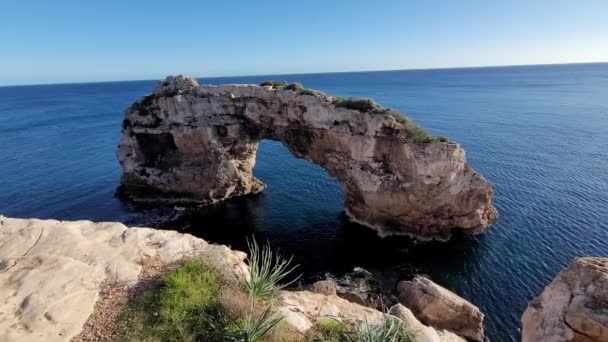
x=102, y=325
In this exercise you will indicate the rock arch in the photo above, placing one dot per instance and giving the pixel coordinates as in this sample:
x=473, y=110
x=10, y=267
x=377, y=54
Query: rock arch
x=191, y=143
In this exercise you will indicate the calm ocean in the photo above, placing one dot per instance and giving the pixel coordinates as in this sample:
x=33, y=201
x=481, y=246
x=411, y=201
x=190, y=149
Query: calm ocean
x=539, y=133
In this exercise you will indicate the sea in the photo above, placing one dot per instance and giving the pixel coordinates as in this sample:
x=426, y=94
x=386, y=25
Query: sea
x=538, y=133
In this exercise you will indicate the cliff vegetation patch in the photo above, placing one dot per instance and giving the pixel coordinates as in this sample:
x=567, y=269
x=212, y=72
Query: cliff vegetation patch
x=365, y=105
x=193, y=302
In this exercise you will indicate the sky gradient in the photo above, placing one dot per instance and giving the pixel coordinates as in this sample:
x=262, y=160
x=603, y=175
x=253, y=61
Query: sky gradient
x=76, y=41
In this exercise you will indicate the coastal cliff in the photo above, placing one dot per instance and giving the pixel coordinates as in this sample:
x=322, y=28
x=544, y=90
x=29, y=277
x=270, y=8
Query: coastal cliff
x=186, y=143
x=73, y=281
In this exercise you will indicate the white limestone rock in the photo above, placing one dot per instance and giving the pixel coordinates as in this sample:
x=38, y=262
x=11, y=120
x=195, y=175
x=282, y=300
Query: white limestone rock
x=51, y=271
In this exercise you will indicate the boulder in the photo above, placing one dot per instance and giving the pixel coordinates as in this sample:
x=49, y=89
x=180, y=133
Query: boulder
x=51, y=272
x=573, y=307
x=298, y=305
x=187, y=143
x=423, y=332
x=440, y=308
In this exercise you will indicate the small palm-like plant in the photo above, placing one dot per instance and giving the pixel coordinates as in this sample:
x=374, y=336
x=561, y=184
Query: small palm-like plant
x=254, y=329
x=268, y=269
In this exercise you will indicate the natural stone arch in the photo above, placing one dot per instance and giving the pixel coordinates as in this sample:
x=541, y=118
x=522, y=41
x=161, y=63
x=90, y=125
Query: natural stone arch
x=197, y=144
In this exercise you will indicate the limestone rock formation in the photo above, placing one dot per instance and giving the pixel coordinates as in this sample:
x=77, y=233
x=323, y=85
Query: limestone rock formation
x=574, y=307
x=197, y=144
x=51, y=272
x=440, y=308
x=301, y=310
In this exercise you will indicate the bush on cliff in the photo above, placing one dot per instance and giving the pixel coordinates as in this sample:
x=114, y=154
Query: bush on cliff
x=362, y=105
x=177, y=308
x=193, y=303
x=296, y=86
x=417, y=133
x=273, y=84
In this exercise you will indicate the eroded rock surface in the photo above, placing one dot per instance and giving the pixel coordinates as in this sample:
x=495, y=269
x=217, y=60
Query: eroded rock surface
x=574, y=307
x=440, y=308
x=51, y=272
x=302, y=310
x=423, y=332
x=191, y=143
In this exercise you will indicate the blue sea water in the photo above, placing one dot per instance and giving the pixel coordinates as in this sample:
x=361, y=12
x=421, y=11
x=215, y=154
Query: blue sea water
x=538, y=133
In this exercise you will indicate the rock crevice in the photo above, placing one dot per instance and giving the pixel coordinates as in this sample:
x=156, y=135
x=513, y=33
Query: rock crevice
x=197, y=144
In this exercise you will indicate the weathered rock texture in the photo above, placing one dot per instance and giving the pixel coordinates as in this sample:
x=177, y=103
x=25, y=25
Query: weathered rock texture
x=302, y=310
x=191, y=143
x=440, y=308
x=51, y=272
x=574, y=307
x=423, y=332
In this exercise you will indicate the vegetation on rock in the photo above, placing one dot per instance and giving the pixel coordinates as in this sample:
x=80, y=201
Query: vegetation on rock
x=268, y=269
x=417, y=133
x=331, y=330
x=274, y=84
x=362, y=105
x=296, y=86
x=392, y=330
x=194, y=303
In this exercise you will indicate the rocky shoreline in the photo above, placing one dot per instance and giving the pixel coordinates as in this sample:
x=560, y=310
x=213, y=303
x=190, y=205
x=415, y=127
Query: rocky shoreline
x=68, y=280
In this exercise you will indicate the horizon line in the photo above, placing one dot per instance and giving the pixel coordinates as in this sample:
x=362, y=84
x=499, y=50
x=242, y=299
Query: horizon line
x=313, y=73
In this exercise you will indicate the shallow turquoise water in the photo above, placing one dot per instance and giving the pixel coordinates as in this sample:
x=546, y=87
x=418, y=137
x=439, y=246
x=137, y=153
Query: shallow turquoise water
x=540, y=134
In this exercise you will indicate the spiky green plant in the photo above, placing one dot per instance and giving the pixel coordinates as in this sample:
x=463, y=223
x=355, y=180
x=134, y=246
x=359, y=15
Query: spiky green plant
x=273, y=84
x=268, y=269
x=294, y=86
x=254, y=329
x=391, y=330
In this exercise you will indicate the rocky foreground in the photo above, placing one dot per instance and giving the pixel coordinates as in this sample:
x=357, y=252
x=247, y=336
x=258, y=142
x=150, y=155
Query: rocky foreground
x=55, y=275
x=59, y=279
x=197, y=144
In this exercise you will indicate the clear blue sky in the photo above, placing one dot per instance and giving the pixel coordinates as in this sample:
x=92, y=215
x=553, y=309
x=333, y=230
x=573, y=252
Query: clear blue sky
x=52, y=41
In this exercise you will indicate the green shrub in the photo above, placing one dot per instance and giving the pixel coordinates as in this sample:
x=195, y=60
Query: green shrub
x=267, y=270
x=417, y=133
x=362, y=105
x=311, y=92
x=442, y=139
x=273, y=84
x=144, y=105
x=255, y=327
x=192, y=286
x=294, y=86
x=331, y=330
x=185, y=305
x=179, y=307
